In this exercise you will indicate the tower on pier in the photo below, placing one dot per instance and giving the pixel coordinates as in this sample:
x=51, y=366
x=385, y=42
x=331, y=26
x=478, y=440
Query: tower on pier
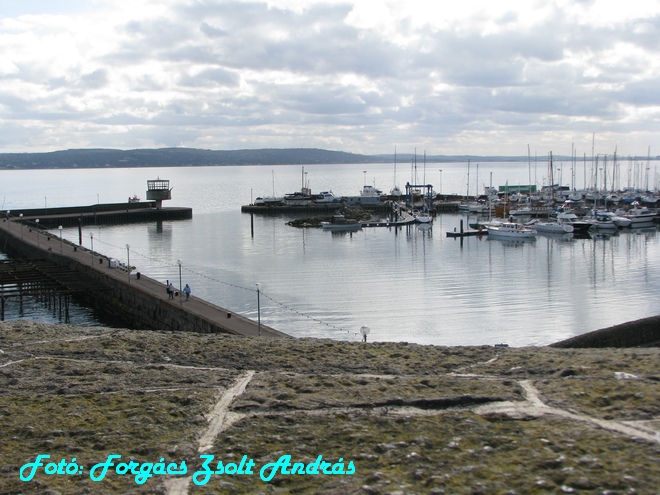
x=158, y=190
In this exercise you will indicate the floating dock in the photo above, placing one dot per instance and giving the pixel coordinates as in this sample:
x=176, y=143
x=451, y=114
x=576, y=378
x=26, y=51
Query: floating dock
x=467, y=233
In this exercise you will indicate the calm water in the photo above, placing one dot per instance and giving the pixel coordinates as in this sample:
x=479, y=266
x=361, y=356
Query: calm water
x=408, y=284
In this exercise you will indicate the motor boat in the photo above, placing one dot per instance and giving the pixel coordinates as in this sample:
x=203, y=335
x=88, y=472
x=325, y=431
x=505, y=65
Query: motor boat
x=511, y=230
x=573, y=220
x=619, y=221
x=327, y=197
x=551, y=227
x=340, y=222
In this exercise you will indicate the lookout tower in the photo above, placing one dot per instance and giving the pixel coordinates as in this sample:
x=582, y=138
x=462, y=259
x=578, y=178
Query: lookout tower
x=158, y=190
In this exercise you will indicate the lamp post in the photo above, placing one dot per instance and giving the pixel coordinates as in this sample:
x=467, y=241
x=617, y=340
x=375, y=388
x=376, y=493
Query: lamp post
x=259, y=308
x=21, y=217
x=91, y=251
x=60, y=227
x=9, y=225
x=37, y=222
x=440, y=182
x=179, y=262
x=364, y=331
x=128, y=262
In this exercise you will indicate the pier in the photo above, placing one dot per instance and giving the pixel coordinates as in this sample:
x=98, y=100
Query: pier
x=99, y=214
x=331, y=208
x=136, y=299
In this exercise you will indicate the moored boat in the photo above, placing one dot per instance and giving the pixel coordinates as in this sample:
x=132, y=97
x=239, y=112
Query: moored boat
x=638, y=214
x=619, y=221
x=573, y=220
x=511, y=230
x=340, y=222
x=327, y=197
x=551, y=227
x=422, y=216
x=297, y=199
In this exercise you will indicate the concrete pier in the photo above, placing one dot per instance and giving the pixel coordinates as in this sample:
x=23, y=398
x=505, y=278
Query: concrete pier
x=102, y=213
x=141, y=302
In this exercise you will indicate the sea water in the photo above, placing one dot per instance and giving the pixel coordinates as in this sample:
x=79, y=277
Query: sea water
x=409, y=284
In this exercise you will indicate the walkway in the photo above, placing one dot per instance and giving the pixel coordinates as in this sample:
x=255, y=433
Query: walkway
x=224, y=318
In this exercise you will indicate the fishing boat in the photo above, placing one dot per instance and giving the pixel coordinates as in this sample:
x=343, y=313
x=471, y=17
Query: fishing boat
x=370, y=192
x=511, y=230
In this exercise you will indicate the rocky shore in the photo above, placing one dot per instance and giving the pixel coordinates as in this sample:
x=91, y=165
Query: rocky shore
x=388, y=418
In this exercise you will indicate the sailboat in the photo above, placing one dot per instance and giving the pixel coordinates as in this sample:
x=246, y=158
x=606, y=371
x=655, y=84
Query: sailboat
x=269, y=200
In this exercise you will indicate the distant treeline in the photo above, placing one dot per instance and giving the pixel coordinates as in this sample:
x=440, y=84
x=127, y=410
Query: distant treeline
x=177, y=157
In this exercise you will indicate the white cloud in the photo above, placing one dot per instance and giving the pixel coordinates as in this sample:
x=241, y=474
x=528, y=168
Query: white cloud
x=468, y=77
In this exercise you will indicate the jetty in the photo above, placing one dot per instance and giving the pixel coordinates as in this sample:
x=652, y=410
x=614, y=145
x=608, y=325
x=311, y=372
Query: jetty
x=61, y=267
x=46, y=265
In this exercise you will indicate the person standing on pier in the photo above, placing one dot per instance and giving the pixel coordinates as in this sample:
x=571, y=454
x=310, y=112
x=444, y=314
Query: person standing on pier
x=187, y=291
x=170, y=290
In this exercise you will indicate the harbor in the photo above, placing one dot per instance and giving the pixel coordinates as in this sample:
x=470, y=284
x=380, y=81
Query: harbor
x=409, y=283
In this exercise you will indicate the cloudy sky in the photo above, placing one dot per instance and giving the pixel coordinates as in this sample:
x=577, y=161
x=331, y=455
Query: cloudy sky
x=449, y=77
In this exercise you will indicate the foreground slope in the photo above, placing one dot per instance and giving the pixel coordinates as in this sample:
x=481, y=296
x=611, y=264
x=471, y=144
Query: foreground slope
x=410, y=418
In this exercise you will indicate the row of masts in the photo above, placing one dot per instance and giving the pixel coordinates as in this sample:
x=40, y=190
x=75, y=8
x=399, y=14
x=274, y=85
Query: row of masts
x=604, y=175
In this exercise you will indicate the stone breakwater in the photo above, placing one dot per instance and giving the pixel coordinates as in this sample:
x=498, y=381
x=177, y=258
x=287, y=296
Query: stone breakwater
x=387, y=418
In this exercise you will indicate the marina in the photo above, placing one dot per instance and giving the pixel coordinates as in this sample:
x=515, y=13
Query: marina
x=406, y=283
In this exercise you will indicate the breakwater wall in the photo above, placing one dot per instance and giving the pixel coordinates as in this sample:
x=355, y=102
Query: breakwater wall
x=139, y=301
x=105, y=213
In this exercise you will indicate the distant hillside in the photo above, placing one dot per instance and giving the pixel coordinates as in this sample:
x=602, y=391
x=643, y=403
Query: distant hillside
x=170, y=157
x=176, y=157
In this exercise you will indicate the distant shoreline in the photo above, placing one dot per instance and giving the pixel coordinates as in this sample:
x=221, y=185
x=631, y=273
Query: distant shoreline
x=181, y=157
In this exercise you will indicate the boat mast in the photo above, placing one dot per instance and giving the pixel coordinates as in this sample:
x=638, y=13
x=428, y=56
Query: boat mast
x=529, y=169
x=476, y=184
x=394, y=185
x=552, y=182
x=467, y=192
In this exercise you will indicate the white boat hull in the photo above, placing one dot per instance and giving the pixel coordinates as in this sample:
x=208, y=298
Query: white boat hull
x=511, y=231
x=553, y=228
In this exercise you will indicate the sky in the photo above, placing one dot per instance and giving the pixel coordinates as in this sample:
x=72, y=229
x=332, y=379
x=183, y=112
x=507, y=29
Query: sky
x=482, y=77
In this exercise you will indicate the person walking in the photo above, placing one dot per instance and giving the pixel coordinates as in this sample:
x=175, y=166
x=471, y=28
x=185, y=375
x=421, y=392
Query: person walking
x=170, y=290
x=187, y=291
